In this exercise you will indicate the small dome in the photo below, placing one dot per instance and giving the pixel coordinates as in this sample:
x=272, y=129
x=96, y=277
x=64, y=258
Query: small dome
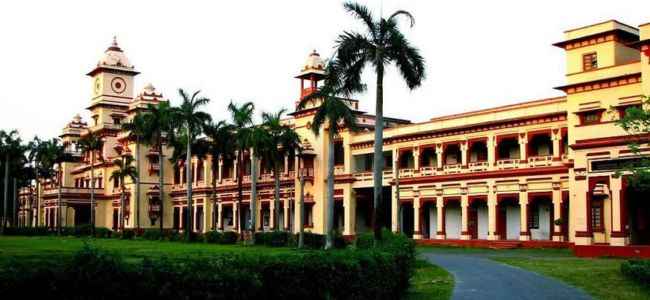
x=149, y=88
x=314, y=62
x=114, y=57
x=76, y=118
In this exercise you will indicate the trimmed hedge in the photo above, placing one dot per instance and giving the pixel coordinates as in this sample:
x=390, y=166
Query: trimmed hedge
x=637, y=270
x=377, y=273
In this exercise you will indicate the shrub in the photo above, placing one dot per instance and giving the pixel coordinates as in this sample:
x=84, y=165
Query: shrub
x=212, y=237
x=314, y=240
x=83, y=230
x=102, y=232
x=229, y=237
x=152, y=234
x=637, y=270
x=27, y=231
x=128, y=234
x=272, y=238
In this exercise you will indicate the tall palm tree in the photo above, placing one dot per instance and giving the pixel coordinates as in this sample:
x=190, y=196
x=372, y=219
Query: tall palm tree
x=10, y=150
x=333, y=115
x=35, y=156
x=283, y=141
x=92, y=143
x=124, y=170
x=381, y=45
x=189, y=118
x=261, y=145
x=136, y=129
x=54, y=156
x=157, y=127
x=220, y=147
x=242, y=121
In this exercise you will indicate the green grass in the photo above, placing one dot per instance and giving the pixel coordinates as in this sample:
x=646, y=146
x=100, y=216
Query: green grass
x=430, y=282
x=37, y=248
x=600, y=277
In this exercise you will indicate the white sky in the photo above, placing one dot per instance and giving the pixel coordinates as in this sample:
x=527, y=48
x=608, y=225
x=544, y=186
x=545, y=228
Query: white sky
x=479, y=54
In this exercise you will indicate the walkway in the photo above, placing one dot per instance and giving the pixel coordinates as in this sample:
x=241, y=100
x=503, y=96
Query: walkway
x=478, y=277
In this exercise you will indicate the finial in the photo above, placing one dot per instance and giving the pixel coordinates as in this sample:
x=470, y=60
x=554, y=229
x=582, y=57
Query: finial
x=114, y=41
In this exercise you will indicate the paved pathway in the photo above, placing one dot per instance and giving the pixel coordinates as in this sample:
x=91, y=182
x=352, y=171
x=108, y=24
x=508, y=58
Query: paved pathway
x=481, y=278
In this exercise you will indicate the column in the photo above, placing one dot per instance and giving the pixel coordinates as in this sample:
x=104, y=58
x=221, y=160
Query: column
x=463, y=152
x=395, y=162
x=492, y=148
x=417, y=233
x=524, y=234
x=286, y=212
x=235, y=216
x=416, y=158
x=349, y=211
x=439, y=156
x=440, y=206
x=220, y=170
x=464, y=219
x=259, y=225
x=618, y=236
x=181, y=222
x=557, y=212
x=286, y=166
x=579, y=210
x=395, y=209
x=220, y=216
x=492, y=203
x=523, y=155
x=272, y=212
x=556, y=137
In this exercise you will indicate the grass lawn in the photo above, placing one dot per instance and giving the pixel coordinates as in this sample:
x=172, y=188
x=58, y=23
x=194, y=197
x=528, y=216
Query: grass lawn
x=430, y=282
x=36, y=248
x=600, y=277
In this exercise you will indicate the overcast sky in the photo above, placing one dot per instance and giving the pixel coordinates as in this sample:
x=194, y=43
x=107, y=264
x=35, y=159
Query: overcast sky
x=479, y=54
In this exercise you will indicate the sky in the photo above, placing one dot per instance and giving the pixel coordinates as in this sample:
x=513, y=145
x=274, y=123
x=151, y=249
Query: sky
x=479, y=54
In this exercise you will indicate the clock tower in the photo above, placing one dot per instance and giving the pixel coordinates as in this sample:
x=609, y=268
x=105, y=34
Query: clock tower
x=112, y=88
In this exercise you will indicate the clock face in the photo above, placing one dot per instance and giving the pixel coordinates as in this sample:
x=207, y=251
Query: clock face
x=118, y=85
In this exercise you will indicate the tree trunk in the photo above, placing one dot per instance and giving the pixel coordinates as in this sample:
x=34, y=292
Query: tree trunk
x=276, y=183
x=253, y=202
x=329, y=240
x=92, y=191
x=6, y=195
x=58, y=202
x=137, y=182
x=301, y=226
x=38, y=199
x=122, y=206
x=14, y=217
x=161, y=189
x=188, y=172
x=378, y=164
x=214, y=190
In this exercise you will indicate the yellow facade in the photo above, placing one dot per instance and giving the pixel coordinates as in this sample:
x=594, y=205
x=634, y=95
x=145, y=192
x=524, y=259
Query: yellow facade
x=537, y=170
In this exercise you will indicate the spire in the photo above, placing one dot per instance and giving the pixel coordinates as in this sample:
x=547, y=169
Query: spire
x=114, y=46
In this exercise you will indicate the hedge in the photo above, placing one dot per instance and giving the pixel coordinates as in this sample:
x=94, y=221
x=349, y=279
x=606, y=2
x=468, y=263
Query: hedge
x=378, y=273
x=637, y=270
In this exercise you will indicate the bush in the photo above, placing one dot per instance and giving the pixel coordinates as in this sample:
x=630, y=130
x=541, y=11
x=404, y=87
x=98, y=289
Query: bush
x=212, y=237
x=128, y=234
x=103, y=232
x=272, y=238
x=637, y=270
x=229, y=237
x=27, y=231
x=152, y=234
x=83, y=230
x=379, y=273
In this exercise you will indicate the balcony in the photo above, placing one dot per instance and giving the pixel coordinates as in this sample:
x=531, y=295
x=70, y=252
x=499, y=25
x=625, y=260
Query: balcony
x=53, y=191
x=338, y=170
x=506, y=164
x=406, y=173
x=453, y=168
x=478, y=166
x=428, y=171
x=540, y=161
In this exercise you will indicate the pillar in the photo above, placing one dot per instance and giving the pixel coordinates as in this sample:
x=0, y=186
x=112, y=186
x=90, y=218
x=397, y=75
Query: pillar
x=492, y=203
x=235, y=217
x=259, y=224
x=556, y=137
x=464, y=219
x=492, y=148
x=349, y=211
x=220, y=170
x=440, y=206
x=463, y=151
x=524, y=234
x=416, y=158
x=417, y=232
x=220, y=216
x=439, y=156
x=395, y=209
x=618, y=234
x=557, y=213
x=272, y=219
x=523, y=154
x=579, y=211
x=287, y=213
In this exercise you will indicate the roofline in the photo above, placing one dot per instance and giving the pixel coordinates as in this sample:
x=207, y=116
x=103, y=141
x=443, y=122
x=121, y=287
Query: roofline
x=498, y=109
x=617, y=31
x=600, y=23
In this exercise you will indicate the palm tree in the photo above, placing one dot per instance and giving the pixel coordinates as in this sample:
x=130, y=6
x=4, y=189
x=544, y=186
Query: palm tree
x=381, y=45
x=283, y=141
x=35, y=156
x=124, y=170
x=189, y=118
x=54, y=155
x=92, y=143
x=220, y=147
x=260, y=144
x=333, y=115
x=242, y=120
x=157, y=126
x=136, y=129
x=10, y=149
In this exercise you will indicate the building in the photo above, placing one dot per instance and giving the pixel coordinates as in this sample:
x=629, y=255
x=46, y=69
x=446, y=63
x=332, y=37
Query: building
x=542, y=170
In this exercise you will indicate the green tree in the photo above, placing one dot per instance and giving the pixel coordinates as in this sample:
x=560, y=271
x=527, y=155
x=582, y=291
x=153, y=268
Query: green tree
x=92, y=143
x=11, y=150
x=137, y=130
x=332, y=116
x=283, y=140
x=125, y=169
x=636, y=122
x=242, y=122
x=381, y=45
x=191, y=120
x=157, y=125
x=35, y=148
x=220, y=147
x=54, y=155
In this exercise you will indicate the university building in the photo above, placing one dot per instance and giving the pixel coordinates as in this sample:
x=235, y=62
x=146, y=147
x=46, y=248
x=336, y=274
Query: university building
x=537, y=171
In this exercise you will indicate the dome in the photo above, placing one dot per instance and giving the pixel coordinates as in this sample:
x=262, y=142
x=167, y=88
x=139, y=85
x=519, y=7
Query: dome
x=314, y=62
x=149, y=88
x=114, y=57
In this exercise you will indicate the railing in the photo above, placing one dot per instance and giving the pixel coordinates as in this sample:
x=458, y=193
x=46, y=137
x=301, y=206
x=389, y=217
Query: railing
x=504, y=164
x=478, y=166
x=453, y=169
x=387, y=174
x=338, y=170
x=70, y=190
x=363, y=176
x=427, y=171
x=406, y=173
x=540, y=161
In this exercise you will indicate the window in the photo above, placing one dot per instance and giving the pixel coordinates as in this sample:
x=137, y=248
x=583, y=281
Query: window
x=117, y=120
x=116, y=183
x=590, y=118
x=597, y=215
x=533, y=218
x=589, y=61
